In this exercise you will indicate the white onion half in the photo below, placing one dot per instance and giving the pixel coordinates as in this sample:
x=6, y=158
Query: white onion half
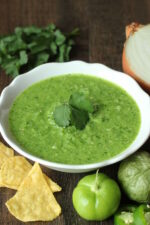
x=136, y=54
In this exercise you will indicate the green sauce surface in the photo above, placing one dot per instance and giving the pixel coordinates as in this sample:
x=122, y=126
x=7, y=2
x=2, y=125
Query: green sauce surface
x=109, y=131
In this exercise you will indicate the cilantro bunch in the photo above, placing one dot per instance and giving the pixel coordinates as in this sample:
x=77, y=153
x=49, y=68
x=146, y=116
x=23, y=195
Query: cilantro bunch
x=31, y=46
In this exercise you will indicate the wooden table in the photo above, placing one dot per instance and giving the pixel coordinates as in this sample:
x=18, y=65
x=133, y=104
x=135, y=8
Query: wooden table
x=102, y=24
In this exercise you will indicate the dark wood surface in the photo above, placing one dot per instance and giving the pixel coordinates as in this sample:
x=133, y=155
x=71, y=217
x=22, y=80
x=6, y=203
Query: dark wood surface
x=102, y=24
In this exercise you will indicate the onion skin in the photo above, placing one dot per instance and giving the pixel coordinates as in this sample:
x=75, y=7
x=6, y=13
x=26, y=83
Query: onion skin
x=130, y=29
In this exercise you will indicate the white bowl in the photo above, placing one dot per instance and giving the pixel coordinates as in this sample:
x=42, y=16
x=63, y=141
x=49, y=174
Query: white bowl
x=54, y=69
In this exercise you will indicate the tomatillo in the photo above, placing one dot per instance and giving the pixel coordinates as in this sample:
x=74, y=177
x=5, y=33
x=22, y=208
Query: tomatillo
x=96, y=197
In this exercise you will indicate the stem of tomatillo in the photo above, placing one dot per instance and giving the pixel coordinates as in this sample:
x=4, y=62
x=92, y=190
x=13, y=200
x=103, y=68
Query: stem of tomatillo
x=96, y=185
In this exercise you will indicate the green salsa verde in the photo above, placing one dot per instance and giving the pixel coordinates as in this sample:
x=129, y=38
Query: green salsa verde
x=109, y=131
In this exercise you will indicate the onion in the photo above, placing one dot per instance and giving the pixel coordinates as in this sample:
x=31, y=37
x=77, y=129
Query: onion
x=136, y=54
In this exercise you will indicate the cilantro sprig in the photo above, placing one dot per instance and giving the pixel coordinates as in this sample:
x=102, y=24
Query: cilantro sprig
x=31, y=46
x=75, y=112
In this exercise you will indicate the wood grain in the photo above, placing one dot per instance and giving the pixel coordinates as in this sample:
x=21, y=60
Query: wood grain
x=101, y=39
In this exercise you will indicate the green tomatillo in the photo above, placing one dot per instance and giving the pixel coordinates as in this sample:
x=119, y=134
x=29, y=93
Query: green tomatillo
x=96, y=197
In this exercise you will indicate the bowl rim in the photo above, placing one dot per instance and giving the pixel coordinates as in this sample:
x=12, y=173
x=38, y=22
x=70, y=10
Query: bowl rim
x=76, y=167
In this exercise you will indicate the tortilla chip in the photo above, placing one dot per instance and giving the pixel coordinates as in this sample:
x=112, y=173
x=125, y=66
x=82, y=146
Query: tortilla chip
x=3, y=158
x=34, y=200
x=6, y=150
x=5, y=153
x=54, y=186
x=15, y=169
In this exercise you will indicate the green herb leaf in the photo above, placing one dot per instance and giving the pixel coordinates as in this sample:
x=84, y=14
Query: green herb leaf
x=60, y=38
x=2, y=48
x=11, y=65
x=41, y=58
x=75, y=32
x=15, y=46
x=80, y=101
x=31, y=30
x=38, y=48
x=53, y=48
x=23, y=57
x=67, y=52
x=79, y=118
x=62, y=115
x=76, y=112
x=12, y=68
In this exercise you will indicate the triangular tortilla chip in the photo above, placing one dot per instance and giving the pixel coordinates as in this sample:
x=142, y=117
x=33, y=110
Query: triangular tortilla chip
x=15, y=169
x=34, y=200
x=5, y=153
x=54, y=186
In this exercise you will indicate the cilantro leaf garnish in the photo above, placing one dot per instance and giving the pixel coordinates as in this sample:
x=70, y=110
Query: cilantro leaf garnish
x=80, y=101
x=31, y=46
x=75, y=113
x=79, y=118
x=62, y=115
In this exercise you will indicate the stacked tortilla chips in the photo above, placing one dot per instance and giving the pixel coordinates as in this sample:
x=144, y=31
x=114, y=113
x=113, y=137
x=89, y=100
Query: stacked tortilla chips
x=34, y=199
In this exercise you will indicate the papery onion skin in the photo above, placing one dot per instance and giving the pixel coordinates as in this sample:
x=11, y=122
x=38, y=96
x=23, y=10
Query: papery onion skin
x=130, y=29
